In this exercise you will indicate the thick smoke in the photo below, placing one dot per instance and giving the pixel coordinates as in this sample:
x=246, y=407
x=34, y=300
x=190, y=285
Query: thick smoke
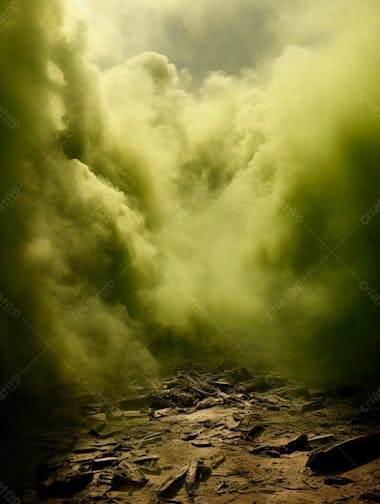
x=150, y=210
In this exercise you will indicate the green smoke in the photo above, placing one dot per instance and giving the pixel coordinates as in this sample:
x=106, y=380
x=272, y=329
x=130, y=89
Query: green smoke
x=145, y=211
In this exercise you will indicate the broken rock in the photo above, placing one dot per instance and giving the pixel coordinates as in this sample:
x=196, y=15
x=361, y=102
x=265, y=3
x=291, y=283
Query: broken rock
x=319, y=441
x=173, y=484
x=337, y=481
x=104, y=462
x=127, y=472
x=192, y=476
x=296, y=444
x=346, y=455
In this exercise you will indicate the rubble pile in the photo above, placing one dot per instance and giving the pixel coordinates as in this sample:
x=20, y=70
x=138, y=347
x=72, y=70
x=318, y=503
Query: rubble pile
x=217, y=437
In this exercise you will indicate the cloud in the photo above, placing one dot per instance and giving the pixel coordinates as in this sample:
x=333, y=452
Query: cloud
x=184, y=196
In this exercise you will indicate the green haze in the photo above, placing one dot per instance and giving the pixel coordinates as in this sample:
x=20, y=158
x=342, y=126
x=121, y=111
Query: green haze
x=151, y=210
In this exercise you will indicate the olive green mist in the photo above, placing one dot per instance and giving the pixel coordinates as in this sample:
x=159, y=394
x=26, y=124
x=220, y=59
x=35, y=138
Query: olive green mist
x=147, y=215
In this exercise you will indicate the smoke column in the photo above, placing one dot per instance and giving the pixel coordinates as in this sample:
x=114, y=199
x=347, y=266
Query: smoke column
x=177, y=180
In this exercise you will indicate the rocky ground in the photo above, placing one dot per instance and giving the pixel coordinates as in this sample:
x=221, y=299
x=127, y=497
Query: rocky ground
x=228, y=437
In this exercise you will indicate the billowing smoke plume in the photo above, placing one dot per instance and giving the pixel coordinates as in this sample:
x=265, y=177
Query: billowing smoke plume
x=152, y=210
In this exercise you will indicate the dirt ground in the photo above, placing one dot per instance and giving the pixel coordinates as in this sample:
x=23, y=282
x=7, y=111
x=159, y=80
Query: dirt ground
x=198, y=437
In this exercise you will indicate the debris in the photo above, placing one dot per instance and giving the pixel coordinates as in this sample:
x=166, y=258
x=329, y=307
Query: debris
x=95, y=446
x=318, y=441
x=202, y=393
x=173, y=484
x=182, y=400
x=245, y=422
x=222, y=486
x=129, y=472
x=102, y=483
x=105, y=478
x=209, y=402
x=191, y=476
x=236, y=399
x=160, y=413
x=297, y=444
x=104, y=462
x=217, y=460
x=146, y=459
x=191, y=435
x=109, y=464
x=276, y=451
x=222, y=385
x=337, y=481
x=233, y=487
x=120, y=415
x=346, y=455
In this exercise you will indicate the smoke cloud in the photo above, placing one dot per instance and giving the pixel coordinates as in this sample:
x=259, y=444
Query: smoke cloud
x=185, y=180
